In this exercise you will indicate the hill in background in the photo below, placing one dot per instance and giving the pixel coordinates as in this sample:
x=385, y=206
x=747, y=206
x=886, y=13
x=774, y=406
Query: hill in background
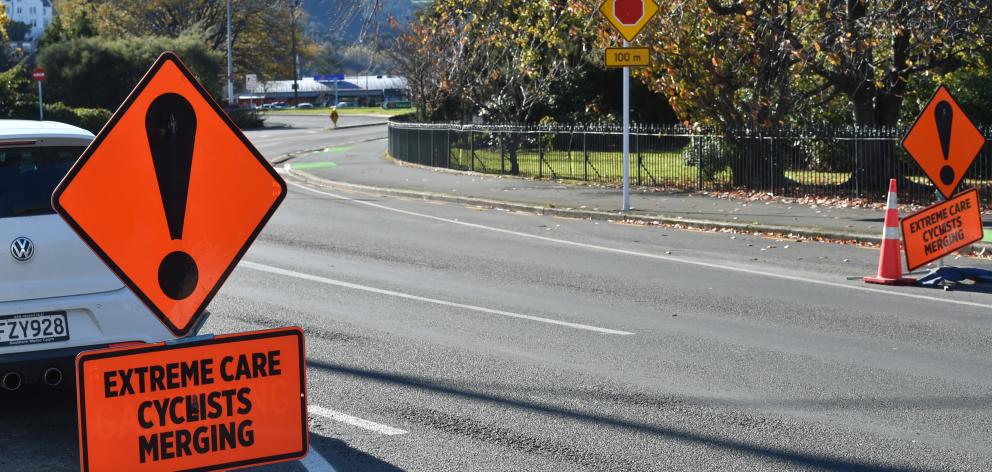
x=329, y=23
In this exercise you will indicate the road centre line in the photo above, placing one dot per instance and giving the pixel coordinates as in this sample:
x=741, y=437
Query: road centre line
x=258, y=140
x=314, y=462
x=340, y=283
x=679, y=260
x=354, y=421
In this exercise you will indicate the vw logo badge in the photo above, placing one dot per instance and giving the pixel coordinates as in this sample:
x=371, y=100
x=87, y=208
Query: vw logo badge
x=22, y=249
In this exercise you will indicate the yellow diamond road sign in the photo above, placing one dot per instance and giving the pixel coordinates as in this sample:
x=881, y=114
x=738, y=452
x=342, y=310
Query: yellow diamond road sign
x=628, y=16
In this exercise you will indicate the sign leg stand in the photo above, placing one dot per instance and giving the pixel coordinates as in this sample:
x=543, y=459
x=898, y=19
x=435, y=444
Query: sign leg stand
x=969, y=224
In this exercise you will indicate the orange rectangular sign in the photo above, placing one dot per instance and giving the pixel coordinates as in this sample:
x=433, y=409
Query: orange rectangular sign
x=941, y=229
x=218, y=403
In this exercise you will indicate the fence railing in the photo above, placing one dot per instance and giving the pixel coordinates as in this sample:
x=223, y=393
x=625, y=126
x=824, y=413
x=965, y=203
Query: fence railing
x=797, y=162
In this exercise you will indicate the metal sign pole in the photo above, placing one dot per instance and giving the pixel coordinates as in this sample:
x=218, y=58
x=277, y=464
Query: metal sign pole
x=41, y=104
x=230, y=67
x=626, y=135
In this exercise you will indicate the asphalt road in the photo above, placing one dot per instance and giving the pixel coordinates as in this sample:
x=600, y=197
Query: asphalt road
x=471, y=339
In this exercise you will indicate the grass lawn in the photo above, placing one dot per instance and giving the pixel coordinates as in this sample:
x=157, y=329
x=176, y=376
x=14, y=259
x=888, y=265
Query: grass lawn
x=818, y=178
x=655, y=168
x=342, y=111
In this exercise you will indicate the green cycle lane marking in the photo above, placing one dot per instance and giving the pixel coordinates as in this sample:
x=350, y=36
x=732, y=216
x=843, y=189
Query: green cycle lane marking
x=313, y=165
x=321, y=164
x=338, y=149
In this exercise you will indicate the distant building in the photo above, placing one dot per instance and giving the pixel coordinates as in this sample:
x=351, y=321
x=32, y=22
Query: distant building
x=37, y=14
x=360, y=90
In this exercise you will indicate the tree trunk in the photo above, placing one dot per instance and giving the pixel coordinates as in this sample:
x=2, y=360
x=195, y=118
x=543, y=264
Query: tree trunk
x=512, y=144
x=755, y=166
x=875, y=159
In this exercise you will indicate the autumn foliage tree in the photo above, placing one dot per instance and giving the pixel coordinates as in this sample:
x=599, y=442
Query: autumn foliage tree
x=425, y=60
x=754, y=61
x=761, y=63
x=730, y=67
x=501, y=60
x=870, y=50
x=260, y=29
x=723, y=67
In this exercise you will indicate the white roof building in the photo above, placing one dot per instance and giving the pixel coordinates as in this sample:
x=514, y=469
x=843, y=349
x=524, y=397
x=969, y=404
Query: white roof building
x=368, y=88
x=35, y=13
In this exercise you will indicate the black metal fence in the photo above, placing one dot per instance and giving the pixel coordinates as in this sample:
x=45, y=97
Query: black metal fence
x=846, y=162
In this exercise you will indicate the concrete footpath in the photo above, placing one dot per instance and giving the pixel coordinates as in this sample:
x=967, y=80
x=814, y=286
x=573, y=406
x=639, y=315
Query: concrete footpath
x=366, y=168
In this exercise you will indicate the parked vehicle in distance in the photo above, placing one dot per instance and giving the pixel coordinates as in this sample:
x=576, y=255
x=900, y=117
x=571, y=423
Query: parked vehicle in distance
x=304, y=106
x=390, y=104
x=57, y=298
x=347, y=105
x=264, y=106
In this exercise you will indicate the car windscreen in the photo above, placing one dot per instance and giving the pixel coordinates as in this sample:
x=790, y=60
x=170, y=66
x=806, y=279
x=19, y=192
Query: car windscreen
x=29, y=174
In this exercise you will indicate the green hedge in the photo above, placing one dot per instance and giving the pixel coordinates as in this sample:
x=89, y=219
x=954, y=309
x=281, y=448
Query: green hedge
x=245, y=119
x=90, y=119
x=93, y=119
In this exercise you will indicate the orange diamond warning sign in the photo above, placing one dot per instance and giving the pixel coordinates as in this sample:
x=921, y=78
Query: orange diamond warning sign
x=944, y=142
x=170, y=194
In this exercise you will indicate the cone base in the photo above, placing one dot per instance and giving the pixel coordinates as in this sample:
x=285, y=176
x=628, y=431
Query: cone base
x=887, y=281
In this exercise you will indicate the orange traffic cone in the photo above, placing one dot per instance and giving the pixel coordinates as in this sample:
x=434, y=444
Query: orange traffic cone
x=890, y=262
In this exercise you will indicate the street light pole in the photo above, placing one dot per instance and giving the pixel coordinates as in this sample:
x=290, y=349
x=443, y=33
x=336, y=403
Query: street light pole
x=230, y=67
x=293, y=5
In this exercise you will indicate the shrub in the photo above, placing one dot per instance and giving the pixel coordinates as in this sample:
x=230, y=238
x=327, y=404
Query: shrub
x=99, y=72
x=246, y=119
x=710, y=153
x=59, y=111
x=93, y=119
x=90, y=119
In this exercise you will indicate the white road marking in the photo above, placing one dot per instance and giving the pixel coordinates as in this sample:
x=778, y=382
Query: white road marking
x=256, y=140
x=654, y=256
x=354, y=421
x=314, y=462
x=340, y=283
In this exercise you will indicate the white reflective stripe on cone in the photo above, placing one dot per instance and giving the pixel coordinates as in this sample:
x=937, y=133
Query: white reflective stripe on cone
x=891, y=233
x=892, y=201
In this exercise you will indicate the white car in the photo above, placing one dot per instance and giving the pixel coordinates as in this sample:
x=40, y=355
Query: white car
x=57, y=298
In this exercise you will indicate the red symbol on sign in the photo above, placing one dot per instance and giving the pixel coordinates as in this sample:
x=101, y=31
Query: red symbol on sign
x=170, y=194
x=629, y=12
x=38, y=74
x=944, y=141
x=628, y=16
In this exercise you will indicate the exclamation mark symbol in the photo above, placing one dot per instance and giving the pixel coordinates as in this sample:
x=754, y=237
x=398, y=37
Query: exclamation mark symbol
x=945, y=118
x=170, y=124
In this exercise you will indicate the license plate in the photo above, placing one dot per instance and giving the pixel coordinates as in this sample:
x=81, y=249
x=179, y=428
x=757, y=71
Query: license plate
x=34, y=328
